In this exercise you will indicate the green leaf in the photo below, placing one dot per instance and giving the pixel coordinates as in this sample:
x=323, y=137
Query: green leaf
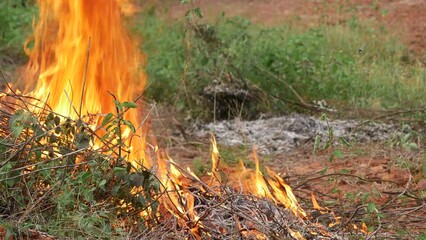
x=371, y=207
x=198, y=12
x=365, y=197
x=57, y=120
x=421, y=237
x=317, y=143
x=130, y=125
x=338, y=154
x=345, y=171
x=102, y=184
x=331, y=158
x=121, y=173
x=344, y=141
x=88, y=194
x=137, y=179
x=17, y=130
x=118, y=105
x=119, y=170
x=16, y=123
x=412, y=146
x=82, y=140
x=107, y=119
x=115, y=190
x=105, y=136
x=129, y=105
x=85, y=176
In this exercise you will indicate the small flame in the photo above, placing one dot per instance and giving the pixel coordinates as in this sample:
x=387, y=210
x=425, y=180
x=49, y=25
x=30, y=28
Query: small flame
x=178, y=200
x=364, y=228
x=295, y=235
x=315, y=203
x=215, y=158
x=325, y=210
x=274, y=187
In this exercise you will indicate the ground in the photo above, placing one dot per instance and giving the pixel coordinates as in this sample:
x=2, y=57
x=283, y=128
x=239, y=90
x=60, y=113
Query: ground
x=385, y=175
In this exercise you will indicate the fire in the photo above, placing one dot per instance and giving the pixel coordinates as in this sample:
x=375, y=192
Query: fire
x=271, y=187
x=81, y=56
x=215, y=159
x=178, y=201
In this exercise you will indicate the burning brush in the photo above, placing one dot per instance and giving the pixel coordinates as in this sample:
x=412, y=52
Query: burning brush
x=53, y=124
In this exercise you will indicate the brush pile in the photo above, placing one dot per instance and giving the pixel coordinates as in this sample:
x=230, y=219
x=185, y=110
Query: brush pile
x=55, y=183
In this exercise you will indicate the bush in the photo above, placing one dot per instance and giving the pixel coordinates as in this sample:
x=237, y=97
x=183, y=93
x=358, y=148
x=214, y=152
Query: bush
x=52, y=180
x=15, y=19
x=354, y=64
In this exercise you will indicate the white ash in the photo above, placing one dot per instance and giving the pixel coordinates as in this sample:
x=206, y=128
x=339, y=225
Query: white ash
x=280, y=134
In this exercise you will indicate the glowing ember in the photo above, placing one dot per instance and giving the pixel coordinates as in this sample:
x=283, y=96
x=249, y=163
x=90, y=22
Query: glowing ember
x=76, y=78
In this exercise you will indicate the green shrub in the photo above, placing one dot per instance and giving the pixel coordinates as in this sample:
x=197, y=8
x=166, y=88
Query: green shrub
x=356, y=64
x=15, y=22
x=53, y=180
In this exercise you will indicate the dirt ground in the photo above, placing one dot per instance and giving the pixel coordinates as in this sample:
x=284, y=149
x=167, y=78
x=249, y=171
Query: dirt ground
x=391, y=177
x=383, y=174
x=405, y=17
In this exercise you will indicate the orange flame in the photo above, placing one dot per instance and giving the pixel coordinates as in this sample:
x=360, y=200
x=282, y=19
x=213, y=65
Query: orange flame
x=272, y=187
x=324, y=210
x=77, y=78
x=82, y=55
x=178, y=200
x=215, y=158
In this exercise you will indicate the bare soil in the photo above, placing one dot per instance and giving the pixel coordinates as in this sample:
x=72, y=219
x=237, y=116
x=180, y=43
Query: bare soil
x=373, y=172
x=378, y=170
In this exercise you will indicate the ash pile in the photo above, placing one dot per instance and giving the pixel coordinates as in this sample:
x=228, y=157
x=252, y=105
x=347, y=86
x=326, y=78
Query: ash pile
x=281, y=134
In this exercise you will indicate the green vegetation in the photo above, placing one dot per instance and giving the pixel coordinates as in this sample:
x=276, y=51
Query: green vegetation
x=52, y=180
x=355, y=64
x=15, y=22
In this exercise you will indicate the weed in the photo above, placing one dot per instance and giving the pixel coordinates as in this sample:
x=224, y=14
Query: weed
x=53, y=180
x=199, y=167
x=353, y=64
x=15, y=19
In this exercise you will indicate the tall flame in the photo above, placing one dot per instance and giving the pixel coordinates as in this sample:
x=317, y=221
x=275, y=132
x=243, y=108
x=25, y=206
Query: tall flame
x=82, y=58
x=75, y=77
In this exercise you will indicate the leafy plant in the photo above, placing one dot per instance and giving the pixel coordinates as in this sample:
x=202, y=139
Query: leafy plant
x=52, y=179
x=284, y=64
x=15, y=19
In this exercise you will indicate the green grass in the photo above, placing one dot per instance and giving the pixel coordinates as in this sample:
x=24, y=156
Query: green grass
x=356, y=64
x=282, y=63
x=15, y=22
